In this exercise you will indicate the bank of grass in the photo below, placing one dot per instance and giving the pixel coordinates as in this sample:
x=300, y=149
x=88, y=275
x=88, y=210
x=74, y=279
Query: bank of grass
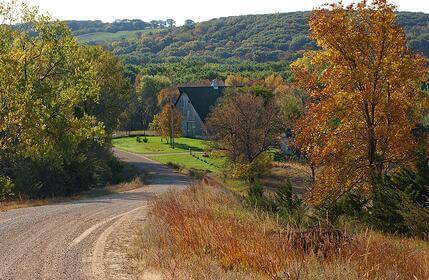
x=135, y=183
x=155, y=145
x=196, y=161
x=205, y=232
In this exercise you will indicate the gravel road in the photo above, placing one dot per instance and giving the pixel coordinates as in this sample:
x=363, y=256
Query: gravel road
x=82, y=239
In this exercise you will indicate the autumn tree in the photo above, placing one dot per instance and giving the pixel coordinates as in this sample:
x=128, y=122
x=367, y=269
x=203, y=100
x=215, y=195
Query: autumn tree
x=365, y=96
x=236, y=80
x=290, y=99
x=244, y=126
x=167, y=121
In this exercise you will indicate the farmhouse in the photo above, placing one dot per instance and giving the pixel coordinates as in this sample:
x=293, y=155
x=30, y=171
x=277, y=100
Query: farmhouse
x=195, y=103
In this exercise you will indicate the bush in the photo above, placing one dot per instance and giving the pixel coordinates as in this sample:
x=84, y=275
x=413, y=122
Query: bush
x=286, y=205
x=197, y=174
x=257, y=199
x=6, y=188
x=174, y=165
x=350, y=205
x=250, y=171
x=395, y=210
x=91, y=166
x=289, y=206
x=398, y=204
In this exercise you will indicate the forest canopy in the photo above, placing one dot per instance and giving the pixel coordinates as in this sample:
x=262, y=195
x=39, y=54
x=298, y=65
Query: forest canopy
x=253, y=45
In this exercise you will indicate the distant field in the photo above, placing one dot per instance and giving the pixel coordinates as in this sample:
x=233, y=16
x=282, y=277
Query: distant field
x=110, y=37
x=155, y=146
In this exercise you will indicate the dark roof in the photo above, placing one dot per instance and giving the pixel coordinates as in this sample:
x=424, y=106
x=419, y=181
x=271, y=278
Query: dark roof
x=202, y=98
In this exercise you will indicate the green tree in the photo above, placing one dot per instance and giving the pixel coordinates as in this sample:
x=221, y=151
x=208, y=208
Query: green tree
x=47, y=145
x=115, y=88
x=147, y=91
x=171, y=23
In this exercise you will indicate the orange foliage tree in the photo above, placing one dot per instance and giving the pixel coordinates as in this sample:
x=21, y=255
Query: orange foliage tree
x=365, y=97
x=169, y=119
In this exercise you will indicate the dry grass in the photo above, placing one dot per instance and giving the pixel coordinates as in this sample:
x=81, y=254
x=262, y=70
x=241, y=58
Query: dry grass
x=297, y=173
x=24, y=203
x=205, y=233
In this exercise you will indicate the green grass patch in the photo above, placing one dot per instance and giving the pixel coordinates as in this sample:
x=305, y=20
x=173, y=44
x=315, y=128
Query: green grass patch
x=188, y=161
x=155, y=146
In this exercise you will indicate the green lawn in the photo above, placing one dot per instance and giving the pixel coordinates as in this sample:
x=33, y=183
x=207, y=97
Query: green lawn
x=188, y=161
x=155, y=146
x=162, y=152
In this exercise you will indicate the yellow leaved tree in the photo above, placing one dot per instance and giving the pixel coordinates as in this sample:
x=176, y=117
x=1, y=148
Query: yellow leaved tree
x=365, y=96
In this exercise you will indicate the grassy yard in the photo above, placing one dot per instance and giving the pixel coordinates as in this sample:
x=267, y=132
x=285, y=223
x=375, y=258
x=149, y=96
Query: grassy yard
x=155, y=146
x=188, y=161
x=162, y=152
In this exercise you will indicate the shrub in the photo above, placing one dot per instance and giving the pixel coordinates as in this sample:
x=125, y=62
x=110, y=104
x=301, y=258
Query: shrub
x=145, y=140
x=398, y=204
x=174, y=165
x=349, y=205
x=257, y=199
x=289, y=206
x=397, y=211
x=250, y=171
x=286, y=205
x=6, y=188
x=138, y=139
x=197, y=174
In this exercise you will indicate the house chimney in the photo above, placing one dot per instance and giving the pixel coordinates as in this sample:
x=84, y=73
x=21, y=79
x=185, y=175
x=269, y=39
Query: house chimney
x=214, y=84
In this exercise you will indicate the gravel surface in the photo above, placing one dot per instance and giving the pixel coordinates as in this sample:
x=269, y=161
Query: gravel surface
x=84, y=239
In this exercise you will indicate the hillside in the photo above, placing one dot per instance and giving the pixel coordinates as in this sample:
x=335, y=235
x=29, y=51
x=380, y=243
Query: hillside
x=263, y=43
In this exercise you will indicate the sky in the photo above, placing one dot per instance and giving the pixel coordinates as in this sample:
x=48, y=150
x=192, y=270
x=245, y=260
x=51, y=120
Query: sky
x=197, y=10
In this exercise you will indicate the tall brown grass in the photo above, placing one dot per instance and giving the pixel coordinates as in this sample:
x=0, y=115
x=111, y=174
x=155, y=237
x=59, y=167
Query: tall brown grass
x=205, y=232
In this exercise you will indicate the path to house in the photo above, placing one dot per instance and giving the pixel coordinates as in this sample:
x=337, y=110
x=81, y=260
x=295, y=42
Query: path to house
x=84, y=239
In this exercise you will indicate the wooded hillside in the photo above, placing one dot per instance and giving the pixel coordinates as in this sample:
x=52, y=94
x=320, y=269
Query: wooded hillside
x=256, y=38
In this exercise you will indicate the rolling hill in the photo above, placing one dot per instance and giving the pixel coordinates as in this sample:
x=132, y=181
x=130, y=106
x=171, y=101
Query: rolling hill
x=253, y=44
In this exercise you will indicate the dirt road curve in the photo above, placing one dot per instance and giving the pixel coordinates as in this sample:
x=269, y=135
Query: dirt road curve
x=82, y=239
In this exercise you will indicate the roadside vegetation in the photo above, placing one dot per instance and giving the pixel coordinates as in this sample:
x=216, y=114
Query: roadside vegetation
x=353, y=121
x=207, y=232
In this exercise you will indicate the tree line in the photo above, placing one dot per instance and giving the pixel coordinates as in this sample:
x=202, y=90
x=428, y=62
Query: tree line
x=81, y=27
x=59, y=103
